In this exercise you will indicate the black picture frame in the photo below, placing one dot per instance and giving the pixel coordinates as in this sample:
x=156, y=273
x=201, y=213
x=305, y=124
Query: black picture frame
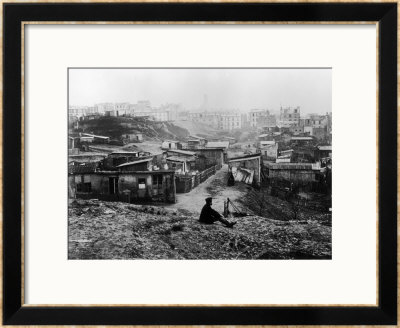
x=14, y=313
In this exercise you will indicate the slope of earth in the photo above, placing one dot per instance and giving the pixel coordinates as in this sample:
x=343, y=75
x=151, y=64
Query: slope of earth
x=112, y=230
x=197, y=128
x=116, y=127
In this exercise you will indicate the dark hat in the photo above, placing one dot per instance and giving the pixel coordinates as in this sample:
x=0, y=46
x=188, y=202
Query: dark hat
x=208, y=199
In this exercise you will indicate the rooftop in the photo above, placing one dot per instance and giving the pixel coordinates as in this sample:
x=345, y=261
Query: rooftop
x=271, y=142
x=82, y=168
x=293, y=166
x=87, y=154
x=94, y=136
x=302, y=138
x=328, y=147
x=175, y=141
x=245, y=157
x=119, y=152
x=183, y=152
x=217, y=144
x=181, y=159
x=136, y=162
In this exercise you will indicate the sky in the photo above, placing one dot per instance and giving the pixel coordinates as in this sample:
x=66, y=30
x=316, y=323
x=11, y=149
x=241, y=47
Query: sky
x=230, y=89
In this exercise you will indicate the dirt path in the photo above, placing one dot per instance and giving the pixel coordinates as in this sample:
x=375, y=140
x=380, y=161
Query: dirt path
x=216, y=187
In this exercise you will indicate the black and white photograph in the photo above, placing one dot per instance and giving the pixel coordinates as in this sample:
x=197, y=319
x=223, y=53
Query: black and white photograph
x=200, y=163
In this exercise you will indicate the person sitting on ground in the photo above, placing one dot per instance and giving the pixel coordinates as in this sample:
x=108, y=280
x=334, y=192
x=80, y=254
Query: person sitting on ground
x=209, y=216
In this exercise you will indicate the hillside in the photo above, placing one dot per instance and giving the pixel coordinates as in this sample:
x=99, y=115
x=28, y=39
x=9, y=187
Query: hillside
x=197, y=128
x=116, y=127
x=105, y=230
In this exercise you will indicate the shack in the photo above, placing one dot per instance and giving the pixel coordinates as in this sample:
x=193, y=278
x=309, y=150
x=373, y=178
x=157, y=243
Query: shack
x=119, y=157
x=294, y=172
x=208, y=157
x=269, y=150
x=127, y=186
x=139, y=165
x=87, y=137
x=181, y=164
x=180, y=153
x=219, y=144
x=171, y=144
x=247, y=168
x=302, y=140
x=325, y=151
x=133, y=137
x=196, y=142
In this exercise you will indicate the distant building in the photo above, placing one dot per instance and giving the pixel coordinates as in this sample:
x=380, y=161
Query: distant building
x=155, y=116
x=289, y=116
x=254, y=115
x=230, y=121
x=320, y=133
x=104, y=108
x=172, y=110
x=122, y=109
x=210, y=118
x=143, y=106
x=262, y=118
x=296, y=129
x=82, y=111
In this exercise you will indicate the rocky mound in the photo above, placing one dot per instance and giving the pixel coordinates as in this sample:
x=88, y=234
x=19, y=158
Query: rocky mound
x=112, y=230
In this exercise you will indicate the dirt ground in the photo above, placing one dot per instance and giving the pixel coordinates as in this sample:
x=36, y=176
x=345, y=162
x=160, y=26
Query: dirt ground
x=113, y=230
x=216, y=187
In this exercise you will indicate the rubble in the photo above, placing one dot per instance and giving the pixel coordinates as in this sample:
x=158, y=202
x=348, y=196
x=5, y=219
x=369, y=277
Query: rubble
x=112, y=230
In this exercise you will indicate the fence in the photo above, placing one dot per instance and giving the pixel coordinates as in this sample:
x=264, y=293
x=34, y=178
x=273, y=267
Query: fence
x=186, y=182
